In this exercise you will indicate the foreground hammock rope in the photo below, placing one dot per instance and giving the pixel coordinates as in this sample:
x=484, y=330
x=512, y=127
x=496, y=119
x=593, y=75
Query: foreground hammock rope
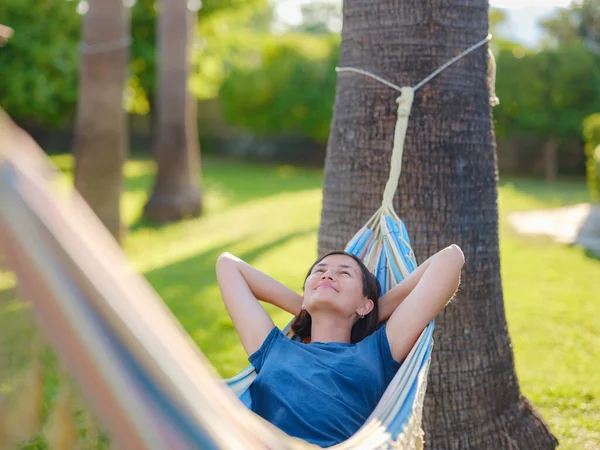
x=143, y=375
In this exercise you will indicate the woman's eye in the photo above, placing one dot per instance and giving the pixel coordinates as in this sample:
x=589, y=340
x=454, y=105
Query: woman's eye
x=319, y=271
x=346, y=273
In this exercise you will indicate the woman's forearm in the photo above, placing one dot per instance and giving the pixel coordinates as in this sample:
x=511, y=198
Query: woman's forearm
x=390, y=301
x=267, y=289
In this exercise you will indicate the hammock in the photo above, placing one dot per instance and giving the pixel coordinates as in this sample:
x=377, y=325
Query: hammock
x=144, y=377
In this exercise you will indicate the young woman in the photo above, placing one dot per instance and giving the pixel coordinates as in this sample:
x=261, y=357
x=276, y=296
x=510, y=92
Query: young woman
x=323, y=388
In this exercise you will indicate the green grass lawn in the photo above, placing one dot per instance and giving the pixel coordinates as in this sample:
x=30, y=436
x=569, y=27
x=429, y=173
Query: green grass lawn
x=269, y=216
x=552, y=297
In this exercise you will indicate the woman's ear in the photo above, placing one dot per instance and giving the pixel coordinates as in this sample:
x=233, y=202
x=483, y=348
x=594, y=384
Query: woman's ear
x=366, y=307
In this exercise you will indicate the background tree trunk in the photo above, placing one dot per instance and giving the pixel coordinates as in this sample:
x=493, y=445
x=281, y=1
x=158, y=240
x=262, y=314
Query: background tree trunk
x=447, y=194
x=551, y=160
x=101, y=136
x=176, y=192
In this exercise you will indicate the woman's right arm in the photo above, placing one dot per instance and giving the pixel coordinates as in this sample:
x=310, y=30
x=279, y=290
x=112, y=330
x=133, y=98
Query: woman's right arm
x=241, y=287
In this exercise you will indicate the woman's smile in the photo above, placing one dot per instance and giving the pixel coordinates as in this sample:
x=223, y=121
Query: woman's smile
x=326, y=285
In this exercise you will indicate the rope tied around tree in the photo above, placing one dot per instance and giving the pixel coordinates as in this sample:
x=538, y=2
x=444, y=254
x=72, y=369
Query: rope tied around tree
x=104, y=47
x=405, y=101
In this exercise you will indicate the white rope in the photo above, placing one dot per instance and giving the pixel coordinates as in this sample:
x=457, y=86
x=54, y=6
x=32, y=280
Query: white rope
x=405, y=101
x=453, y=60
x=104, y=47
x=494, y=100
x=426, y=79
x=369, y=74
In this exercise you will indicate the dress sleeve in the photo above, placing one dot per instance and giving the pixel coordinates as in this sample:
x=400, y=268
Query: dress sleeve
x=258, y=358
x=390, y=365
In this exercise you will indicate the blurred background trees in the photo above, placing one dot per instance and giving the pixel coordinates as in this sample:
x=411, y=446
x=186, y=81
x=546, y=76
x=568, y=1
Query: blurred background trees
x=265, y=87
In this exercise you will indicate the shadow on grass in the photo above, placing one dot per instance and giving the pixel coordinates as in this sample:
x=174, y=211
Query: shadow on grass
x=592, y=254
x=144, y=223
x=187, y=287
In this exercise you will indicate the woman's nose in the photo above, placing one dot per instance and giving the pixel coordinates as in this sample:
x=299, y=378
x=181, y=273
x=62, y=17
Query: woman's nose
x=327, y=274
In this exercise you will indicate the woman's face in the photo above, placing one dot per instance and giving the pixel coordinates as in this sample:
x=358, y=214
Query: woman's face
x=335, y=284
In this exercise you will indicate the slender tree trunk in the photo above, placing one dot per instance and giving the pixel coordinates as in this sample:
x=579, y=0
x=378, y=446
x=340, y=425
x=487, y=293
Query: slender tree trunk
x=176, y=192
x=101, y=136
x=447, y=194
x=551, y=160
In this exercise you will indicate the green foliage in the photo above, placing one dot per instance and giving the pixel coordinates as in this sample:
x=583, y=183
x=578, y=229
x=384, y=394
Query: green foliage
x=226, y=28
x=497, y=17
x=38, y=66
x=591, y=135
x=143, y=55
x=579, y=22
x=290, y=89
x=548, y=93
x=227, y=39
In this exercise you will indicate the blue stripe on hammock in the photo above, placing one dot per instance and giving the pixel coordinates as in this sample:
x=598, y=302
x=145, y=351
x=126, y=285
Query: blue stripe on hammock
x=393, y=265
x=402, y=241
x=399, y=231
x=187, y=426
x=382, y=270
x=246, y=398
x=359, y=241
x=406, y=410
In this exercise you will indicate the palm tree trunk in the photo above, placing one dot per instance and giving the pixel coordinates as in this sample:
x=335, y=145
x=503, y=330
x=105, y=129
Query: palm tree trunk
x=101, y=136
x=447, y=194
x=176, y=192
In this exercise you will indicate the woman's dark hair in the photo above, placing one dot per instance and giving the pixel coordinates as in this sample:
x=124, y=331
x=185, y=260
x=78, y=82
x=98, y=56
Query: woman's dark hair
x=363, y=327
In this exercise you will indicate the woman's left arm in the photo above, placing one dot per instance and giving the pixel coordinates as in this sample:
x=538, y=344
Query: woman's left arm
x=392, y=299
x=432, y=290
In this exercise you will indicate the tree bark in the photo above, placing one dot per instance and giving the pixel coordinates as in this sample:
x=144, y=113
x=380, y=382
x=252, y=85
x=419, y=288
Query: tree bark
x=447, y=194
x=176, y=193
x=551, y=160
x=101, y=136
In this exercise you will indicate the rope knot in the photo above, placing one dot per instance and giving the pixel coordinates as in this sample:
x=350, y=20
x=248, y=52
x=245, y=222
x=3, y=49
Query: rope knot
x=405, y=101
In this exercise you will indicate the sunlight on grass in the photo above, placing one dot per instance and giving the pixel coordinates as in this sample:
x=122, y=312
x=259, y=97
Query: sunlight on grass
x=7, y=280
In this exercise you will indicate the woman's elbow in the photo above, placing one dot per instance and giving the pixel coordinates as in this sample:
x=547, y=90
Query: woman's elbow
x=455, y=255
x=227, y=258
x=226, y=262
x=458, y=254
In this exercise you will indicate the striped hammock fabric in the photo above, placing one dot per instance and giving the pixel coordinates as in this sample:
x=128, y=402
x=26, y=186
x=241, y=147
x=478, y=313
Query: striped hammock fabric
x=142, y=374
